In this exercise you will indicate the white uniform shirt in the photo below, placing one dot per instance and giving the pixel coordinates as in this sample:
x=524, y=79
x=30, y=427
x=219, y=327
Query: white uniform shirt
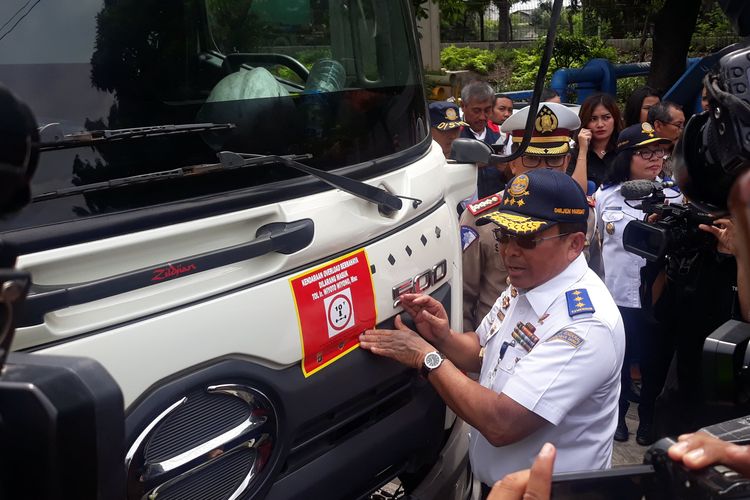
x=622, y=269
x=570, y=377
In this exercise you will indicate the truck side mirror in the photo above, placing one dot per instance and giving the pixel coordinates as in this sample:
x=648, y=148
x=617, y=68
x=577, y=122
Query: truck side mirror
x=474, y=151
x=471, y=151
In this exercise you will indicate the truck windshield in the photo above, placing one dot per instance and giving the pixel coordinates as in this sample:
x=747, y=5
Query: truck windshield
x=334, y=79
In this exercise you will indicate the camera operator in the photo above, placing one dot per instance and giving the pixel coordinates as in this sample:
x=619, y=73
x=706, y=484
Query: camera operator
x=640, y=155
x=709, y=287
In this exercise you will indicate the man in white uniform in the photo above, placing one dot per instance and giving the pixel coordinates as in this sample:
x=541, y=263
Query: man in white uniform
x=549, y=352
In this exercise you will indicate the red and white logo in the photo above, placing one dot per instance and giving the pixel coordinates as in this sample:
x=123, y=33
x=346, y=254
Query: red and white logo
x=339, y=312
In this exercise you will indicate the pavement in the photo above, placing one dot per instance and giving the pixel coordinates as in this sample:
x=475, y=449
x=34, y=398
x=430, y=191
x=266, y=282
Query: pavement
x=629, y=452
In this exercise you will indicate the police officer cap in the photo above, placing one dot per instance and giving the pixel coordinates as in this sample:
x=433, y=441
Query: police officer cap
x=638, y=135
x=537, y=200
x=444, y=116
x=550, y=134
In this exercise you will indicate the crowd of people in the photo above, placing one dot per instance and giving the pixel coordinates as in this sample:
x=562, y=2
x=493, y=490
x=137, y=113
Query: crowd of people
x=564, y=327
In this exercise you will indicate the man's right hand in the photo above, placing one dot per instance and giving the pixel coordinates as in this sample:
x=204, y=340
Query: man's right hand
x=429, y=316
x=699, y=450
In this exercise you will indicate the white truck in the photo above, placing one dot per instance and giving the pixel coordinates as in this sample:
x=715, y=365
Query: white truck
x=228, y=193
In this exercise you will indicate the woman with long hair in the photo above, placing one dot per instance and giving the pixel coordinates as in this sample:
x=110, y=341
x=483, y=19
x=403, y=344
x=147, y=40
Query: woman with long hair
x=639, y=102
x=640, y=155
x=601, y=122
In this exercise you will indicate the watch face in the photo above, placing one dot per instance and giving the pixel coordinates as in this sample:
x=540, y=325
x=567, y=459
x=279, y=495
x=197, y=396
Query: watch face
x=432, y=360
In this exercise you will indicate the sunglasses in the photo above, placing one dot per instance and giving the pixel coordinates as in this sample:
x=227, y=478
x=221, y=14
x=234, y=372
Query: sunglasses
x=536, y=161
x=525, y=242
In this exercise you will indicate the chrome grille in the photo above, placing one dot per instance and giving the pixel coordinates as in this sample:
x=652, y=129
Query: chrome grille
x=195, y=423
x=213, y=443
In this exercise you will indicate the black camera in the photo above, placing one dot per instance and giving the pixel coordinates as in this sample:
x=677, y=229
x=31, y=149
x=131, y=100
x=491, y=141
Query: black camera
x=660, y=477
x=62, y=422
x=674, y=234
x=715, y=146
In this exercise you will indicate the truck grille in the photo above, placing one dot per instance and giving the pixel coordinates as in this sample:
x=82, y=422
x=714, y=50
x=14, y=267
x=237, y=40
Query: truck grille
x=213, y=443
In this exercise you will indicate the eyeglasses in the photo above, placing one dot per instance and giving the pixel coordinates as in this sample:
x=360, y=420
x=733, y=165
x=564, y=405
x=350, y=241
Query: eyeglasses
x=679, y=125
x=525, y=242
x=648, y=154
x=535, y=161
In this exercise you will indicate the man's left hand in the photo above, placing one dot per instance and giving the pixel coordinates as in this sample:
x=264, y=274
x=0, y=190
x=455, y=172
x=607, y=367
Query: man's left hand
x=403, y=345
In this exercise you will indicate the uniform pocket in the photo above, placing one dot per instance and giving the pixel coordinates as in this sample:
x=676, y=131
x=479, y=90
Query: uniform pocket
x=512, y=356
x=612, y=215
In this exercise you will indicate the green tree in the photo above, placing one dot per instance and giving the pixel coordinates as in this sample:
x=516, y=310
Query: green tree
x=450, y=10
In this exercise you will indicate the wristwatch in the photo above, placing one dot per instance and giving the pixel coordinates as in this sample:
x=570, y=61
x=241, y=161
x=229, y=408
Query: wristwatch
x=432, y=360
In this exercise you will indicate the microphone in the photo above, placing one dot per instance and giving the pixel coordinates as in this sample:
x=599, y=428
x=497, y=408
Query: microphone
x=641, y=188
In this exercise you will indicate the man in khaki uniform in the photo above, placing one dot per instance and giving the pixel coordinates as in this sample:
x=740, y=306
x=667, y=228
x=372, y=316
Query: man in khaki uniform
x=484, y=272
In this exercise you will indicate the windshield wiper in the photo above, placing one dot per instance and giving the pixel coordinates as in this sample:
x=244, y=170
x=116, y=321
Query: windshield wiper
x=387, y=202
x=163, y=175
x=52, y=136
x=229, y=160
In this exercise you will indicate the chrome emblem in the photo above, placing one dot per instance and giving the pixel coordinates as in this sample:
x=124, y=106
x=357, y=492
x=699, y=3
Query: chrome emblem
x=421, y=282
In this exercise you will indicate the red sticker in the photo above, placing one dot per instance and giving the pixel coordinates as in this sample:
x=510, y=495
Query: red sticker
x=335, y=303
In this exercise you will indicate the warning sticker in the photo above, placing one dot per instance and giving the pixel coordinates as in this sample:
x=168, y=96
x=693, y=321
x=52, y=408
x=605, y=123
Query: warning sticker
x=335, y=303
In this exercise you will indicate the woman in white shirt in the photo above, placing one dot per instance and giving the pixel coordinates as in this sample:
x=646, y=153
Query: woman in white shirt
x=640, y=156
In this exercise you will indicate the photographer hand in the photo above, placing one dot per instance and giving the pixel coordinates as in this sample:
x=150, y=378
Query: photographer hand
x=699, y=450
x=534, y=484
x=723, y=230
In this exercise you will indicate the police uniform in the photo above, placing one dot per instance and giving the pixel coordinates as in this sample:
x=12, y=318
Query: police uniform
x=555, y=349
x=622, y=275
x=622, y=268
x=484, y=273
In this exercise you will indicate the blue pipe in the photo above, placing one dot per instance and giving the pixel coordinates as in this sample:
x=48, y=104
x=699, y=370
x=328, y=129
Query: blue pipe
x=598, y=75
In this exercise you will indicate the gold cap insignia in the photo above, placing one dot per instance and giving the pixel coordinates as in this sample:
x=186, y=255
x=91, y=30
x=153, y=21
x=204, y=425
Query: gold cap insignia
x=517, y=223
x=519, y=186
x=546, y=121
x=451, y=114
x=647, y=129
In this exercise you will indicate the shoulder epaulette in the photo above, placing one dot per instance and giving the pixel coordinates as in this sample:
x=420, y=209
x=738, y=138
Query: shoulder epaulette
x=607, y=186
x=579, y=302
x=484, y=204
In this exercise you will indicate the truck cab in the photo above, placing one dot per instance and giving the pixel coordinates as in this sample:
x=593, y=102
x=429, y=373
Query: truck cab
x=228, y=193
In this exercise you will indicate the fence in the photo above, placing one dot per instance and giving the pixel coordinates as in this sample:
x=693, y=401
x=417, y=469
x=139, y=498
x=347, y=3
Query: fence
x=513, y=20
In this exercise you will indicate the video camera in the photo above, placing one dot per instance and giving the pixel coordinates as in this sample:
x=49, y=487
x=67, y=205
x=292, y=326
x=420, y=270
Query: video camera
x=659, y=477
x=674, y=234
